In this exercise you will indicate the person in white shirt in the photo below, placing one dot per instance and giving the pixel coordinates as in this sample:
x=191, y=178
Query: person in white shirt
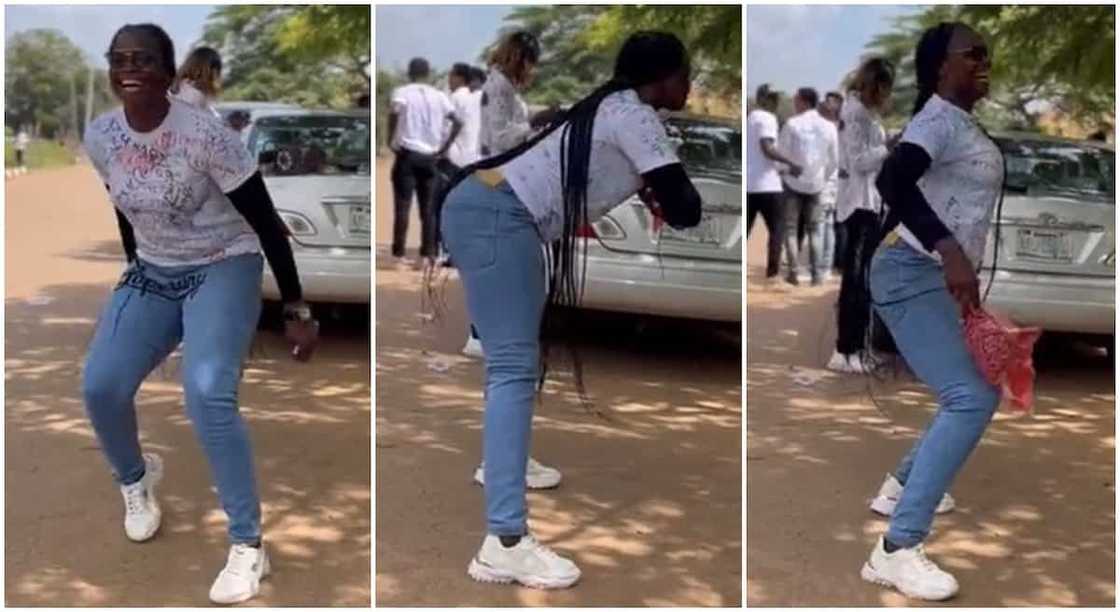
x=764, y=183
x=22, y=140
x=941, y=184
x=418, y=138
x=465, y=149
x=496, y=221
x=199, y=79
x=810, y=141
x=863, y=147
x=826, y=231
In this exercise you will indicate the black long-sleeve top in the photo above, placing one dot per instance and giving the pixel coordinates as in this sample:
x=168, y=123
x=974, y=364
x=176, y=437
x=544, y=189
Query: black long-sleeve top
x=898, y=185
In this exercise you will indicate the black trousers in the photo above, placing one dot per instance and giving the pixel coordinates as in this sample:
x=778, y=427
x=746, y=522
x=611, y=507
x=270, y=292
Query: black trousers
x=414, y=173
x=854, y=307
x=769, y=205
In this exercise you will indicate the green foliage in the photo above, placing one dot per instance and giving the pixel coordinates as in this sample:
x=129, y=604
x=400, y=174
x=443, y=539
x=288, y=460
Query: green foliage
x=38, y=71
x=40, y=154
x=1063, y=54
x=579, y=43
x=316, y=56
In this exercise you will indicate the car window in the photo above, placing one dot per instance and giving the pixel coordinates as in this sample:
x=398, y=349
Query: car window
x=707, y=147
x=1060, y=168
x=309, y=144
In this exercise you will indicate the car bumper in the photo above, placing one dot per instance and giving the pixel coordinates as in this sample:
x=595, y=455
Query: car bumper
x=1076, y=304
x=669, y=286
x=328, y=274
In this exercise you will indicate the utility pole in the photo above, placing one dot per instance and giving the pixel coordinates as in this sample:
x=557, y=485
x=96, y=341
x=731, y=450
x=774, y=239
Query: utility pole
x=74, y=103
x=89, y=97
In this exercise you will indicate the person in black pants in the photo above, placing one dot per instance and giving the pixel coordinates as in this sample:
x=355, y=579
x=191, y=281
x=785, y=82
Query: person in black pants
x=864, y=147
x=764, y=184
x=416, y=128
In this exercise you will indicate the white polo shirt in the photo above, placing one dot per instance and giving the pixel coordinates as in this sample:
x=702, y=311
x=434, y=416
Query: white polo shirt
x=422, y=111
x=812, y=142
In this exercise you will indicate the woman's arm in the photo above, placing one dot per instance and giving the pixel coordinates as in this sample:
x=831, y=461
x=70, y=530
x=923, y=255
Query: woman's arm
x=251, y=199
x=675, y=195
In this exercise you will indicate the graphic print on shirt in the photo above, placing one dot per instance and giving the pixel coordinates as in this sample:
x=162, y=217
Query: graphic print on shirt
x=170, y=184
x=627, y=140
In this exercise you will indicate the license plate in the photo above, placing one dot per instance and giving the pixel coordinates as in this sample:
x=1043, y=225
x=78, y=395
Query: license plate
x=359, y=219
x=706, y=233
x=1049, y=245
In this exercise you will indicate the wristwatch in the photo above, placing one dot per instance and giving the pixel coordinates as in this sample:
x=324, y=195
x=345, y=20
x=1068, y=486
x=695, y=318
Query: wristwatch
x=300, y=313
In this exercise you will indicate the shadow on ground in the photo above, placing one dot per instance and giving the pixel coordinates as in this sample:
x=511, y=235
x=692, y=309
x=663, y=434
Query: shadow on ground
x=1035, y=524
x=650, y=505
x=311, y=433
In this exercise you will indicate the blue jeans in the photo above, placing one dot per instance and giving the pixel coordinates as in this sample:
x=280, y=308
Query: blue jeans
x=910, y=295
x=213, y=310
x=494, y=242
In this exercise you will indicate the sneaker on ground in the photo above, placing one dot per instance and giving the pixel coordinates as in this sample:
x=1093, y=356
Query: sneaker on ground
x=891, y=491
x=847, y=364
x=141, y=508
x=909, y=571
x=473, y=348
x=529, y=563
x=537, y=475
x=240, y=579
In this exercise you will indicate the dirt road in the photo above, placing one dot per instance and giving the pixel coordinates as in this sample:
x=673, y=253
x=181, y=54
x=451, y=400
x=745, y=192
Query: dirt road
x=64, y=541
x=650, y=505
x=1035, y=521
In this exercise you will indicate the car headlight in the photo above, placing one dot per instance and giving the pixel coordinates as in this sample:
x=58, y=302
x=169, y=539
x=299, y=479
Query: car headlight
x=297, y=224
x=608, y=229
x=1110, y=259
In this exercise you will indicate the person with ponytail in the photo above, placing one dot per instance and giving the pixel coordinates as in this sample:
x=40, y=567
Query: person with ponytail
x=498, y=214
x=863, y=148
x=940, y=185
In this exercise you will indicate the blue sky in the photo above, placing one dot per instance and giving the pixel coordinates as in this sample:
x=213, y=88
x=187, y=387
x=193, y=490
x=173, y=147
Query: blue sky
x=810, y=45
x=442, y=34
x=90, y=27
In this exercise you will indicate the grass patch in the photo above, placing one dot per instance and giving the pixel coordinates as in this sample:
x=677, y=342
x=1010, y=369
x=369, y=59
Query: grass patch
x=39, y=154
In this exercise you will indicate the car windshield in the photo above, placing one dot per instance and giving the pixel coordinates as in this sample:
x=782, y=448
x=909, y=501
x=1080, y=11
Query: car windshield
x=311, y=144
x=1060, y=168
x=707, y=147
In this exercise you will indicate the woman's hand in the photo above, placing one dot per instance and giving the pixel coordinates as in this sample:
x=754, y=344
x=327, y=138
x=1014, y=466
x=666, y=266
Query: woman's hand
x=960, y=276
x=545, y=117
x=301, y=330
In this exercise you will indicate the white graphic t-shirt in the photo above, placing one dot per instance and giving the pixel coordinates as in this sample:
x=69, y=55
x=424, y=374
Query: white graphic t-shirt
x=965, y=176
x=170, y=184
x=628, y=139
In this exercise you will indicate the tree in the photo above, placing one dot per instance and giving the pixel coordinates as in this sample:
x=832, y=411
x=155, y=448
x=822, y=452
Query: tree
x=308, y=55
x=39, y=67
x=579, y=44
x=1060, y=55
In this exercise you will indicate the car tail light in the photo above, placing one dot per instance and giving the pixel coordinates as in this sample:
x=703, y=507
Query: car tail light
x=297, y=224
x=603, y=229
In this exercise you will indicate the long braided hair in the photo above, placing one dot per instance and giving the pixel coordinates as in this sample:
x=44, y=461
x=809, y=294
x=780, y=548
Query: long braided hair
x=646, y=57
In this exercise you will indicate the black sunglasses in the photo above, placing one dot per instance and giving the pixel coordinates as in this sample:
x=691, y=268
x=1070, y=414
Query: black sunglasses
x=119, y=60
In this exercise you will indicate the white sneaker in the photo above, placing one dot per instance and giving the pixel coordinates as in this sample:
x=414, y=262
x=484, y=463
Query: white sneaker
x=891, y=491
x=240, y=579
x=846, y=364
x=473, y=348
x=910, y=571
x=537, y=475
x=529, y=563
x=141, y=508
